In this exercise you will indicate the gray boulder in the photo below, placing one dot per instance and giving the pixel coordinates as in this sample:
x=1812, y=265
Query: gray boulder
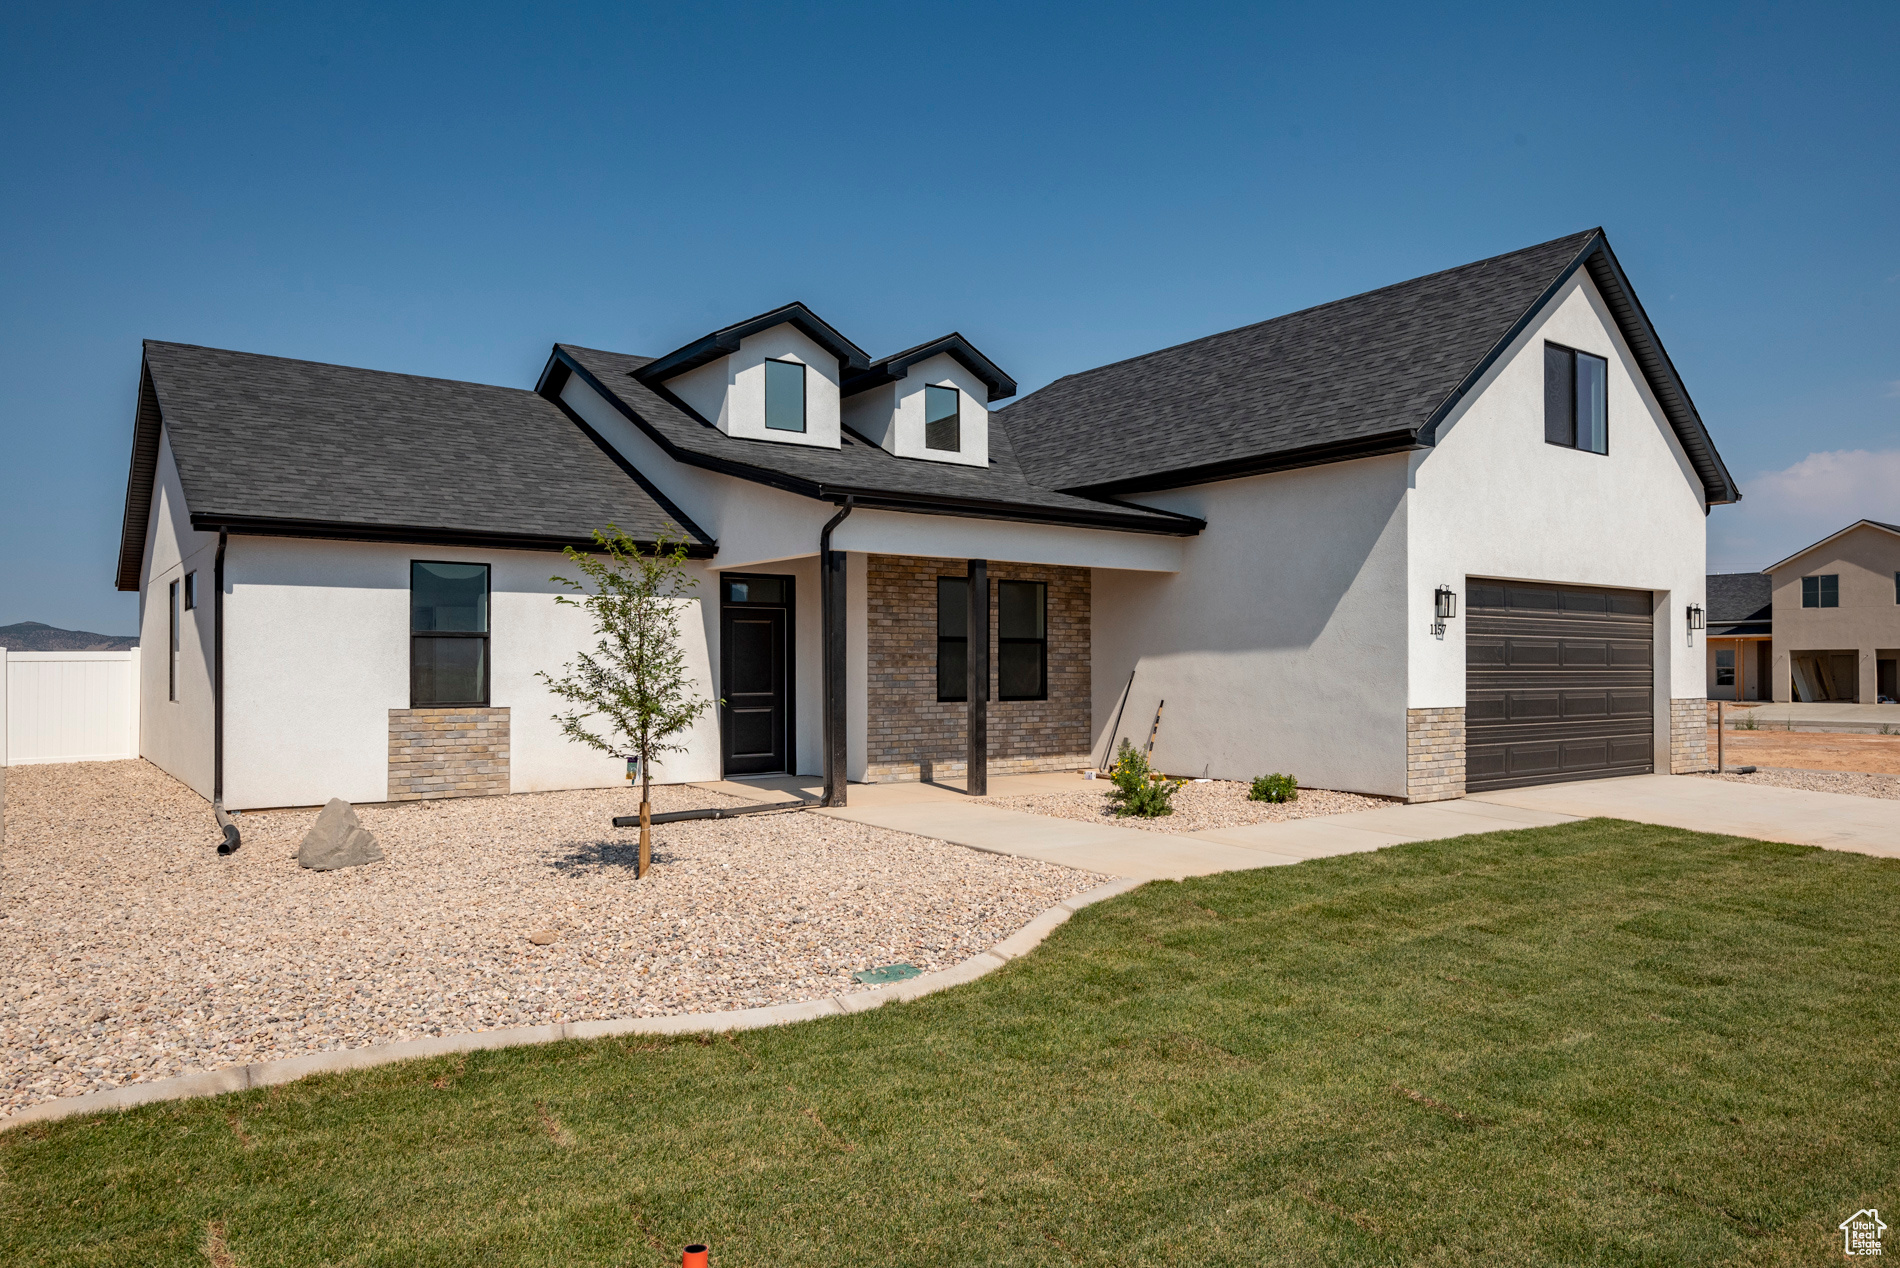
x=338, y=839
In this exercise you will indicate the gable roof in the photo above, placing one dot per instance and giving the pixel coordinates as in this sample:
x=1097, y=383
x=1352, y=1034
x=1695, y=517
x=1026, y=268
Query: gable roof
x=300, y=448
x=894, y=367
x=868, y=474
x=1739, y=603
x=724, y=341
x=1372, y=374
x=1889, y=528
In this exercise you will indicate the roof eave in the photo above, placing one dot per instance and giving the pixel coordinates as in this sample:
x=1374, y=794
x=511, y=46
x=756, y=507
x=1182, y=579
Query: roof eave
x=725, y=342
x=413, y=534
x=147, y=426
x=1400, y=440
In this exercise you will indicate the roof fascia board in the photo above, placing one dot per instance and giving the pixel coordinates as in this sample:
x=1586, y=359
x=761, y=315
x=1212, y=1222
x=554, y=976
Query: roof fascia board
x=1399, y=441
x=1832, y=537
x=147, y=427
x=892, y=368
x=552, y=380
x=412, y=534
x=725, y=342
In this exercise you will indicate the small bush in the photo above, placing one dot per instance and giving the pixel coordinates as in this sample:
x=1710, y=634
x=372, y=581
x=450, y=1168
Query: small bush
x=1274, y=788
x=1138, y=790
x=1748, y=722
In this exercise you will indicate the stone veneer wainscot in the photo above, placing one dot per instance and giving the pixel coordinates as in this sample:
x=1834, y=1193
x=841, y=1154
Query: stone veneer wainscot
x=447, y=753
x=1434, y=754
x=1688, y=735
x=910, y=734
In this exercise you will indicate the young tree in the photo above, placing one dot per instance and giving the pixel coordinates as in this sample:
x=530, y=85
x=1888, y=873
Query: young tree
x=632, y=694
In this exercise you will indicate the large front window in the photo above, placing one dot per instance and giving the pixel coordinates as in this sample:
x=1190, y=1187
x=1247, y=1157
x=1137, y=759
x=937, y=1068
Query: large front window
x=784, y=396
x=953, y=638
x=448, y=634
x=1576, y=399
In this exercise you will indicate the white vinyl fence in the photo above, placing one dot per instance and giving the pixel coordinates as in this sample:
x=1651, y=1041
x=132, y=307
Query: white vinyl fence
x=68, y=707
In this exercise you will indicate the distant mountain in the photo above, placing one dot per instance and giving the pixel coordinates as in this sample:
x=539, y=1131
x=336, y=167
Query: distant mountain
x=31, y=636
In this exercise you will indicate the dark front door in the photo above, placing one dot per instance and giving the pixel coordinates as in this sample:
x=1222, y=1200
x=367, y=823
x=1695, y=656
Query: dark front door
x=1559, y=683
x=755, y=720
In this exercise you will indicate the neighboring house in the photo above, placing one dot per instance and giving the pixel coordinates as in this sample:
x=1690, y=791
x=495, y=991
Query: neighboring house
x=1437, y=537
x=1837, y=617
x=1740, y=625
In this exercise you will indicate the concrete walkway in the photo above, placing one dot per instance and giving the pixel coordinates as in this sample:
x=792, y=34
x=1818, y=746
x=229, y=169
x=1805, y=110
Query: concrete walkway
x=1145, y=855
x=1865, y=825
x=942, y=811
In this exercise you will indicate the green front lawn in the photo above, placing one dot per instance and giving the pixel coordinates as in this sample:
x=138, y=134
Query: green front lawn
x=1598, y=1043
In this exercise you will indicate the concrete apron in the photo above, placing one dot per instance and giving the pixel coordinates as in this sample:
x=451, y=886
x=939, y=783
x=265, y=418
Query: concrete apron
x=266, y=1073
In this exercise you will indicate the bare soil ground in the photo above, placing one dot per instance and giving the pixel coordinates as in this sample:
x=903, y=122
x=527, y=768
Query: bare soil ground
x=1197, y=807
x=134, y=952
x=1810, y=750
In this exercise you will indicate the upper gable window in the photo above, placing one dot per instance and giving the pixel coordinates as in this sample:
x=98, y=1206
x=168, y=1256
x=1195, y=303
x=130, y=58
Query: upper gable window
x=943, y=412
x=784, y=396
x=1821, y=592
x=1576, y=399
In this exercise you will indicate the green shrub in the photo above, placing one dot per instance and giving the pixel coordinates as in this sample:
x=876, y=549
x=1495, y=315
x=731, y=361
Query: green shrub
x=1138, y=790
x=1275, y=788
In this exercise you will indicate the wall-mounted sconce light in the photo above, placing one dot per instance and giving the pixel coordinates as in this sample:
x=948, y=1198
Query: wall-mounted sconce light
x=1444, y=607
x=1695, y=616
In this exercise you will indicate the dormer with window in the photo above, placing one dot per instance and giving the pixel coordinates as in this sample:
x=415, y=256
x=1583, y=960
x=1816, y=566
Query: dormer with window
x=775, y=377
x=929, y=402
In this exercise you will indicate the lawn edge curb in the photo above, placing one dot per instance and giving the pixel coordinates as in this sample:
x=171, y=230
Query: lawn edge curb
x=290, y=1069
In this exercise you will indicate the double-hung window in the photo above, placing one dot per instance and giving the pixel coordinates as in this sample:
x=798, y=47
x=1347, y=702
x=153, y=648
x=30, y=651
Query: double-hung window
x=1576, y=399
x=1821, y=592
x=784, y=396
x=943, y=411
x=953, y=639
x=1022, y=640
x=172, y=655
x=448, y=634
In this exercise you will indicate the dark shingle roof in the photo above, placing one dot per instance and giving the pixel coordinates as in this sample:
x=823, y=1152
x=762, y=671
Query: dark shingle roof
x=271, y=444
x=1374, y=373
x=857, y=468
x=1739, y=599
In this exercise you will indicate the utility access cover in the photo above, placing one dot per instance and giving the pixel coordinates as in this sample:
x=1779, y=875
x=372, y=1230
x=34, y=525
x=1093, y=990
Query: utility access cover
x=887, y=974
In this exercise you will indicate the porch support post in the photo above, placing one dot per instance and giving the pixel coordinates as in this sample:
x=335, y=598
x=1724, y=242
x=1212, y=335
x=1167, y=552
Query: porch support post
x=831, y=586
x=977, y=681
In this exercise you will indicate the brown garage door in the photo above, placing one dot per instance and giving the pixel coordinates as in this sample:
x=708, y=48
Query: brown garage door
x=1559, y=683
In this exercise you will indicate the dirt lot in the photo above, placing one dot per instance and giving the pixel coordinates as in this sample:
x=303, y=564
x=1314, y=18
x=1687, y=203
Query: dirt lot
x=1197, y=807
x=1810, y=750
x=134, y=952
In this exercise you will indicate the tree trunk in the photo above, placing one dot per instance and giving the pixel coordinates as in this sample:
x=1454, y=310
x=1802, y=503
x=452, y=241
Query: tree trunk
x=646, y=823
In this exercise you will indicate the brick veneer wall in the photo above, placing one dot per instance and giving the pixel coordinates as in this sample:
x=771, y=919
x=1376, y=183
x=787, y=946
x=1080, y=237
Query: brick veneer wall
x=910, y=735
x=1688, y=735
x=447, y=753
x=1434, y=754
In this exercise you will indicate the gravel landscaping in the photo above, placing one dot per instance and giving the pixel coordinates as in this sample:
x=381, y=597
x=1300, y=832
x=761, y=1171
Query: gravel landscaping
x=136, y=953
x=1219, y=803
x=1853, y=783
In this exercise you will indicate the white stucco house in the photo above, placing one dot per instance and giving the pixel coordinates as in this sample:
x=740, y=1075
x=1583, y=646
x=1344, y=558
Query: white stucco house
x=1442, y=536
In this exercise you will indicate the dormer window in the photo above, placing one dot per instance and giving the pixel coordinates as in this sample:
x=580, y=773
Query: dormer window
x=784, y=396
x=943, y=410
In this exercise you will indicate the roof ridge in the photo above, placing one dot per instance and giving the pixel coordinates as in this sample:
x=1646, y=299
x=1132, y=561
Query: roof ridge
x=332, y=365
x=1582, y=236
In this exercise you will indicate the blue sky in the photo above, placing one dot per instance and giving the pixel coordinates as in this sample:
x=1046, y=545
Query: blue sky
x=448, y=190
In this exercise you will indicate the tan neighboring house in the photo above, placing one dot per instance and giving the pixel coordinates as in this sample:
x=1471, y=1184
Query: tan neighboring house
x=1836, y=617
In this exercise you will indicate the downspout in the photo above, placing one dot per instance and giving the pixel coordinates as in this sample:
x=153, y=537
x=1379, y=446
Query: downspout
x=229, y=829
x=831, y=585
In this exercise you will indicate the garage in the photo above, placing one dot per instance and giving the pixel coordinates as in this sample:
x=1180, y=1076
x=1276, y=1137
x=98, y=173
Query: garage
x=1559, y=683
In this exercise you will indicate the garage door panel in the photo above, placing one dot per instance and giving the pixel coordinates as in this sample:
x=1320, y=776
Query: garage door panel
x=1559, y=683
